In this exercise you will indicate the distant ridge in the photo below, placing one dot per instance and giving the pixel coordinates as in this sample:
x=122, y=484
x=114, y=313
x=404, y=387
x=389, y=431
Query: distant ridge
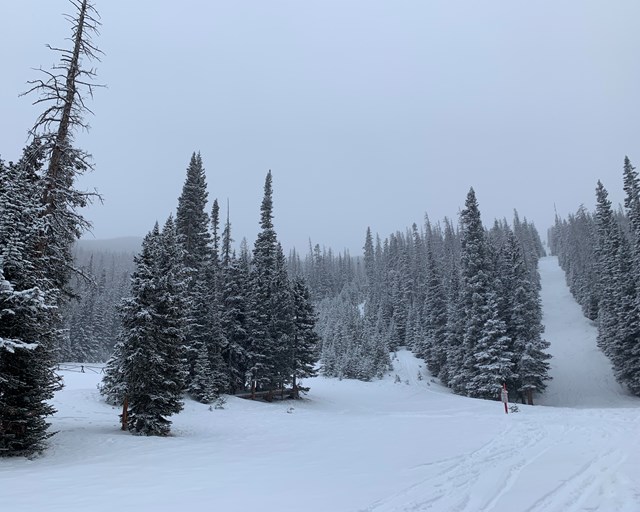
x=130, y=244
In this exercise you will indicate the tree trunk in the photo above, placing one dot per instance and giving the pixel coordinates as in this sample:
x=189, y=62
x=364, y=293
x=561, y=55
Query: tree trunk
x=125, y=412
x=296, y=394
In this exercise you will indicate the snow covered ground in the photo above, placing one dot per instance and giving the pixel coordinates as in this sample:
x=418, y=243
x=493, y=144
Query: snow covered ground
x=353, y=446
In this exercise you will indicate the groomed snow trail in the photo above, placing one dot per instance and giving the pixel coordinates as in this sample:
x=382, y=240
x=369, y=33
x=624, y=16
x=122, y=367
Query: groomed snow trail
x=582, y=375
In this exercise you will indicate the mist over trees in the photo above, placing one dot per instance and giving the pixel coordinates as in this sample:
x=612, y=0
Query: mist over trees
x=600, y=254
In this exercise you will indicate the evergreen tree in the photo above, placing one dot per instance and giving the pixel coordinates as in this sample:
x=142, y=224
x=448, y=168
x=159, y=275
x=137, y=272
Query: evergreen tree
x=192, y=220
x=217, y=341
x=369, y=263
x=234, y=321
x=27, y=314
x=153, y=352
x=629, y=307
x=282, y=321
x=262, y=350
x=192, y=226
x=524, y=324
x=434, y=349
x=113, y=386
x=492, y=358
x=475, y=292
x=454, y=332
x=618, y=325
x=26, y=379
x=632, y=206
x=607, y=252
x=204, y=386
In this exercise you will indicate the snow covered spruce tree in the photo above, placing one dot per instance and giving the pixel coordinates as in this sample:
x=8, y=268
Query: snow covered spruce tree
x=261, y=351
x=265, y=347
x=149, y=366
x=487, y=361
x=454, y=328
x=234, y=298
x=271, y=327
x=524, y=321
x=36, y=254
x=433, y=346
x=27, y=326
x=630, y=310
x=203, y=332
x=609, y=252
x=217, y=342
x=304, y=339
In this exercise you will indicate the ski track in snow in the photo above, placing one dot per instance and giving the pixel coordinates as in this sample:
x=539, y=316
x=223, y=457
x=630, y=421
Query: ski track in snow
x=352, y=446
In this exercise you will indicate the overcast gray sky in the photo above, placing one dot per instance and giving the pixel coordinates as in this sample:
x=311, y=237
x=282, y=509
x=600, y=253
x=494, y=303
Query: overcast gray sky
x=368, y=112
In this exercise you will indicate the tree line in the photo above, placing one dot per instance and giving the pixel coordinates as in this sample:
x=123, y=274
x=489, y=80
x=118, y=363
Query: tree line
x=600, y=254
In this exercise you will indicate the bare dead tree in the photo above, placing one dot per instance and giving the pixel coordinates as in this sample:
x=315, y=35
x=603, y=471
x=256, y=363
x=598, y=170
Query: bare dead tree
x=64, y=91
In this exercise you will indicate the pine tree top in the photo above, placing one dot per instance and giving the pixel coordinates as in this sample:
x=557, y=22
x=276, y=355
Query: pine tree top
x=266, y=209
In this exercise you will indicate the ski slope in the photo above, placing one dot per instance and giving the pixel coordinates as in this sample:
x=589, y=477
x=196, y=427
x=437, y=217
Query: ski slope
x=582, y=375
x=353, y=446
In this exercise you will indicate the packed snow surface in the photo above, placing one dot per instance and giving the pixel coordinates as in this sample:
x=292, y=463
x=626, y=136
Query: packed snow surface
x=355, y=446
